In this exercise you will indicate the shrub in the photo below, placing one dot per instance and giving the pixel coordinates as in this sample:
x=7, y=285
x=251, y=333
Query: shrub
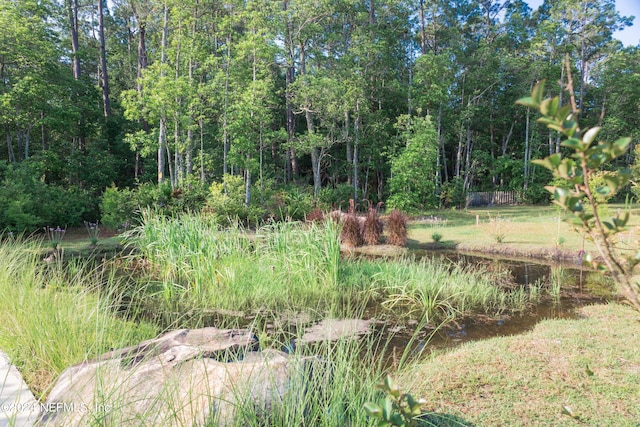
x=290, y=204
x=118, y=207
x=453, y=194
x=397, y=228
x=372, y=227
x=335, y=197
x=580, y=193
x=436, y=237
x=226, y=201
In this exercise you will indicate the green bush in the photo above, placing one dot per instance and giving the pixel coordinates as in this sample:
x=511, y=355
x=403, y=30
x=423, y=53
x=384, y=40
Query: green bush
x=453, y=194
x=118, y=207
x=290, y=204
x=335, y=197
x=28, y=203
x=226, y=202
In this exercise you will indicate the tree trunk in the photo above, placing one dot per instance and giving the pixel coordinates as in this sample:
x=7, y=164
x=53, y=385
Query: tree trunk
x=72, y=9
x=104, y=81
x=356, y=131
x=423, y=36
x=162, y=131
x=526, y=152
x=225, y=132
x=292, y=166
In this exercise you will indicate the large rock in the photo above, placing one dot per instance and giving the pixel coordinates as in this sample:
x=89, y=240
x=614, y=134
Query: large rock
x=185, y=377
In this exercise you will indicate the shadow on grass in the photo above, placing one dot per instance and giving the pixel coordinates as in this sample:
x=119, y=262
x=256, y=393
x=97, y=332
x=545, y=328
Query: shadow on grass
x=434, y=419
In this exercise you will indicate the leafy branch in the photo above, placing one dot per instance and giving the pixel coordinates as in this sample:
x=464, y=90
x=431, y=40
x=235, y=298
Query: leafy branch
x=397, y=408
x=578, y=194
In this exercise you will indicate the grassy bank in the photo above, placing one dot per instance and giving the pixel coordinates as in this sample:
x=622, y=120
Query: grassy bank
x=564, y=372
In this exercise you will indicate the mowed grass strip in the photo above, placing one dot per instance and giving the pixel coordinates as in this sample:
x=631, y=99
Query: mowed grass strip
x=524, y=230
x=563, y=373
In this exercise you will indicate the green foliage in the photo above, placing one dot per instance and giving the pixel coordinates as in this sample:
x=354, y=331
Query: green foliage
x=121, y=207
x=635, y=173
x=54, y=236
x=436, y=237
x=453, y=194
x=291, y=203
x=93, y=229
x=76, y=300
x=584, y=187
x=397, y=408
x=28, y=203
x=412, y=184
x=226, y=203
x=335, y=197
x=118, y=207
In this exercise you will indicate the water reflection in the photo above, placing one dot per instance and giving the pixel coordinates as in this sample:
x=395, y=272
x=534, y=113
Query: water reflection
x=561, y=287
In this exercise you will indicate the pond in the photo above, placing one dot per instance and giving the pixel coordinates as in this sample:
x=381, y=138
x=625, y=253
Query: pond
x=568, y=287
x=552, y=291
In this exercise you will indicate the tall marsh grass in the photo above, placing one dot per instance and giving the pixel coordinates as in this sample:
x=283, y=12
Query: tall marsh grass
x=54, y=315
x=194, y=261
x=194, y=264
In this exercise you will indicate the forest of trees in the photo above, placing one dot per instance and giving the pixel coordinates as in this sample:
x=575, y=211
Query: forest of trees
x=409, y=102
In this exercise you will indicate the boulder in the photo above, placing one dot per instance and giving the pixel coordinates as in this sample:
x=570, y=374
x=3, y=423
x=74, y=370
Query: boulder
x=336, y=329
x=184, y=377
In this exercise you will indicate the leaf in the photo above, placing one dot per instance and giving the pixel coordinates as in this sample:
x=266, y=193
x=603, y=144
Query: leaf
x=538, y=91
x=528, y=102
x=563, y=113
x=391, y=387
x=397, y=420
x=591, y=134
x=549, y=106
x=573, y=143
x=373, y=410
x=550, y=162
x=387, y=408
x=623, y=143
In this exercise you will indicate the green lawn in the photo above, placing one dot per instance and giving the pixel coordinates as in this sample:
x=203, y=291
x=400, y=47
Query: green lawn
x=523, y=230
x=563, y=373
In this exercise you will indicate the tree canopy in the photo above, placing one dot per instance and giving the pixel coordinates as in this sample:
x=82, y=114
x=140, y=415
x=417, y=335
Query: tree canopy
x=401, y=101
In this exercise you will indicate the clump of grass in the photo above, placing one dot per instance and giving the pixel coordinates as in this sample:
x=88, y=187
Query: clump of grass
x=58, y=314
x=93, y=230
x=436, y=237
x=54, y=236
x=372, y=227
x=437, y=291
x=498, y=227
x=397, y=228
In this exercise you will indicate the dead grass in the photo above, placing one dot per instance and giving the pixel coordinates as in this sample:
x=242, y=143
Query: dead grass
x=589, y=367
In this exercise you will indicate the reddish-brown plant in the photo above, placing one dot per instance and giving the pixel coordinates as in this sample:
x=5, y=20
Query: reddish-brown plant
x=315, y=215
x=397, y=228
x=351, y=234
x=372, y=226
